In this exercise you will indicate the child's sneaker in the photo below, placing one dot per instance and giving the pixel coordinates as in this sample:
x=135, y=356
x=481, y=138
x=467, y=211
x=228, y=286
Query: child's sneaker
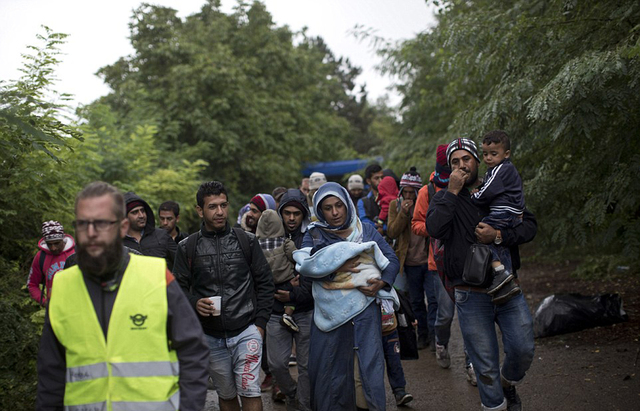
x=288, y=322
x=500, y=278
x=507, y=292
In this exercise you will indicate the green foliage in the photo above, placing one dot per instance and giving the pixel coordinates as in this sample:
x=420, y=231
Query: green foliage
x=252, y=99
x=35, y=135
x=18, y=340
x=562, y=77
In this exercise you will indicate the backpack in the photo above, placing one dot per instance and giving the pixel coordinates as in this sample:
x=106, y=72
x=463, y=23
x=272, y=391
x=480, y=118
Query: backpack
x=243, y=239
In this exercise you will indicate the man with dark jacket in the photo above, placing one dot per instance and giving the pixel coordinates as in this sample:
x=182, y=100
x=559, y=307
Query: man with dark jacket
x=219, y=261
x=453, y=218
x=169, y=215
x=143, y=235
x=118, y=329
x=295, y=217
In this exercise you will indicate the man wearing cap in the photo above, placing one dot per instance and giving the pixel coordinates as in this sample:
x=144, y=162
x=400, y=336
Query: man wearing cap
x=55, y=246
x=355, y=187
x=118, y=332
x=143, y=236
x=257, y=205
x=454, y=219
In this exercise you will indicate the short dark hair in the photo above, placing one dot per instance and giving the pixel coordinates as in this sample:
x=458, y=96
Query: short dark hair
x=99, y=189
x=371, y=170
x=170, y=206
x=497, y=137
x=210, y=188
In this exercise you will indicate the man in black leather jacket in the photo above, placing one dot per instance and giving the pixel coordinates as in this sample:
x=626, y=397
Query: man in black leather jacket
x=228, y=263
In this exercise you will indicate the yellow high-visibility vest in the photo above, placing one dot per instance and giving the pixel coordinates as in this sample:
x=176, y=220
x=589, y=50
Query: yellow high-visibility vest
x=135, y=368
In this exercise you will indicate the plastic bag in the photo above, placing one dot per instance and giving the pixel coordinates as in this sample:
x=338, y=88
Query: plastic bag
x=567, y=313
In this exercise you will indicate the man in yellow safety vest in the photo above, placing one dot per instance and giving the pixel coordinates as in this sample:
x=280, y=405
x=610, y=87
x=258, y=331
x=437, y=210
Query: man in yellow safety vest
x=143, y=350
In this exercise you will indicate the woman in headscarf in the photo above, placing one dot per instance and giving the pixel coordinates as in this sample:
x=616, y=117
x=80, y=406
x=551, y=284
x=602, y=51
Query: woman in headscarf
x=347, y=317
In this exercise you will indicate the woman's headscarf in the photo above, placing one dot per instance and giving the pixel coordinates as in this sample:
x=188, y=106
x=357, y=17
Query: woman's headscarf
x=351, y=230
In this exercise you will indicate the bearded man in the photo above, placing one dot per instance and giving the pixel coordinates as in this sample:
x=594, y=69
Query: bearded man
x=144, y=349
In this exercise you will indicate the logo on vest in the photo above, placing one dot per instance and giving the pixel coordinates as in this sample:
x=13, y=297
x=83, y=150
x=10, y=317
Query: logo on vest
x=138, y=320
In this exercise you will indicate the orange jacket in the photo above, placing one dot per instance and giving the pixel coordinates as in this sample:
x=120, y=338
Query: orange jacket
x=418, y=225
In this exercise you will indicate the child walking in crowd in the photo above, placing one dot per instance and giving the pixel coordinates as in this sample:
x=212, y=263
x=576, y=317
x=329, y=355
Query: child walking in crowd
x=501, y=193
x=388, y=191
x=278, y=250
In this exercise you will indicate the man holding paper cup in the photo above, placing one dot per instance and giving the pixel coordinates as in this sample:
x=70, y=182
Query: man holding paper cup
x=227, y=280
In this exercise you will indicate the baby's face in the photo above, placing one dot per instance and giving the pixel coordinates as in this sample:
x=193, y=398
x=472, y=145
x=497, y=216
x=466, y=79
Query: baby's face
x=493, y=154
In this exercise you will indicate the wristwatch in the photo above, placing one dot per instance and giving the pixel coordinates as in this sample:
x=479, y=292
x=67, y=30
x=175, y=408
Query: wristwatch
x=498, y=239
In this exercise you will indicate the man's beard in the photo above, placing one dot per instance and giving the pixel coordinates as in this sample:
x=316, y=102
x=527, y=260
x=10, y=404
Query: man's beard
x=104, y=264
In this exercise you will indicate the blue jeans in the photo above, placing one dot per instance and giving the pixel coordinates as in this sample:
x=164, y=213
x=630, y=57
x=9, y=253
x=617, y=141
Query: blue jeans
x=478, y=316
x=331, y=363
x=391, y=347
x=234, y=364
x=421, y=283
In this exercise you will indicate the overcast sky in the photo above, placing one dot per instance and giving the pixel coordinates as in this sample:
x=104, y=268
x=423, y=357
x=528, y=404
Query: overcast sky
x=99, y=33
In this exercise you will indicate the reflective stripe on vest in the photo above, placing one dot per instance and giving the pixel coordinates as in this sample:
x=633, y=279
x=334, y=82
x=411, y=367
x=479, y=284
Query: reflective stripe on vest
x=134, y=367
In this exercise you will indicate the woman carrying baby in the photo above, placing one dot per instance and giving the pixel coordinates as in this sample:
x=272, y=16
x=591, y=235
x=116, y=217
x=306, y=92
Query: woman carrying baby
x=353, y=268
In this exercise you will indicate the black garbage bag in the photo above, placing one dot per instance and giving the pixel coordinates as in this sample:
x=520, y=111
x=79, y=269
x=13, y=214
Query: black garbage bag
x=567, y=313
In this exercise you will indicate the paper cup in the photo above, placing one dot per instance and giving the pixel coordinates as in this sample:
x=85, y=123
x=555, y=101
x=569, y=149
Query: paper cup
x=216, y=301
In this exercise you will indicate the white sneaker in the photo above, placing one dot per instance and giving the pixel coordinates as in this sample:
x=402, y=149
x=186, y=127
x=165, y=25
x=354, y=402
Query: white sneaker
x=442, y=356
x=471, y=376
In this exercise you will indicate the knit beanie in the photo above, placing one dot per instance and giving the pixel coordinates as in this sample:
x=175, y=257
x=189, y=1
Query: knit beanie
x=316, y=180
x=52, y=231
x=441, y=176
x=462, y=144
x=264, y=202
x=411, y=179
x=134, y=204
x=355, y=181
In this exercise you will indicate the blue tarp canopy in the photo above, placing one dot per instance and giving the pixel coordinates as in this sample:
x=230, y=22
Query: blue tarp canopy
x=338, y=168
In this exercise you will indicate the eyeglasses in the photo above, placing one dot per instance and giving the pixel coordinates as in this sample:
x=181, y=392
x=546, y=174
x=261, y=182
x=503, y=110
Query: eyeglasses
x=98, y=225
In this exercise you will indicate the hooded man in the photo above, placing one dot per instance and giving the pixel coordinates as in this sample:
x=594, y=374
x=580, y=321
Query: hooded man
x=143, y=235
x=295, y=215
x=55, y=246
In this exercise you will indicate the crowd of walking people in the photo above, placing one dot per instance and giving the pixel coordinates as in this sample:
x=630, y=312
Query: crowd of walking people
x=323, y=276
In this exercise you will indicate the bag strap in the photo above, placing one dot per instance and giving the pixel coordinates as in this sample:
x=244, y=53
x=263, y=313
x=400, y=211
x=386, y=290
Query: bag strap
x=243, y=239
x=192, y=243
x=431, y=188
x=43, y=255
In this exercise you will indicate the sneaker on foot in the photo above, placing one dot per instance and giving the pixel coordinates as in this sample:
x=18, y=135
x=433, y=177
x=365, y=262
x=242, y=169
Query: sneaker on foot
x=293, y=361
x=500, y=278
x=471, y=375
x=277, y=395
x=288, y=322
x=442, y=356
x=402, y=397
x=267, y=383
x=507, y=292
x=513, y=400
x=423, y=342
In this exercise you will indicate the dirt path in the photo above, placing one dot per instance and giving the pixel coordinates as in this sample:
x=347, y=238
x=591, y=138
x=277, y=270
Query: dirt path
x=595, y=369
